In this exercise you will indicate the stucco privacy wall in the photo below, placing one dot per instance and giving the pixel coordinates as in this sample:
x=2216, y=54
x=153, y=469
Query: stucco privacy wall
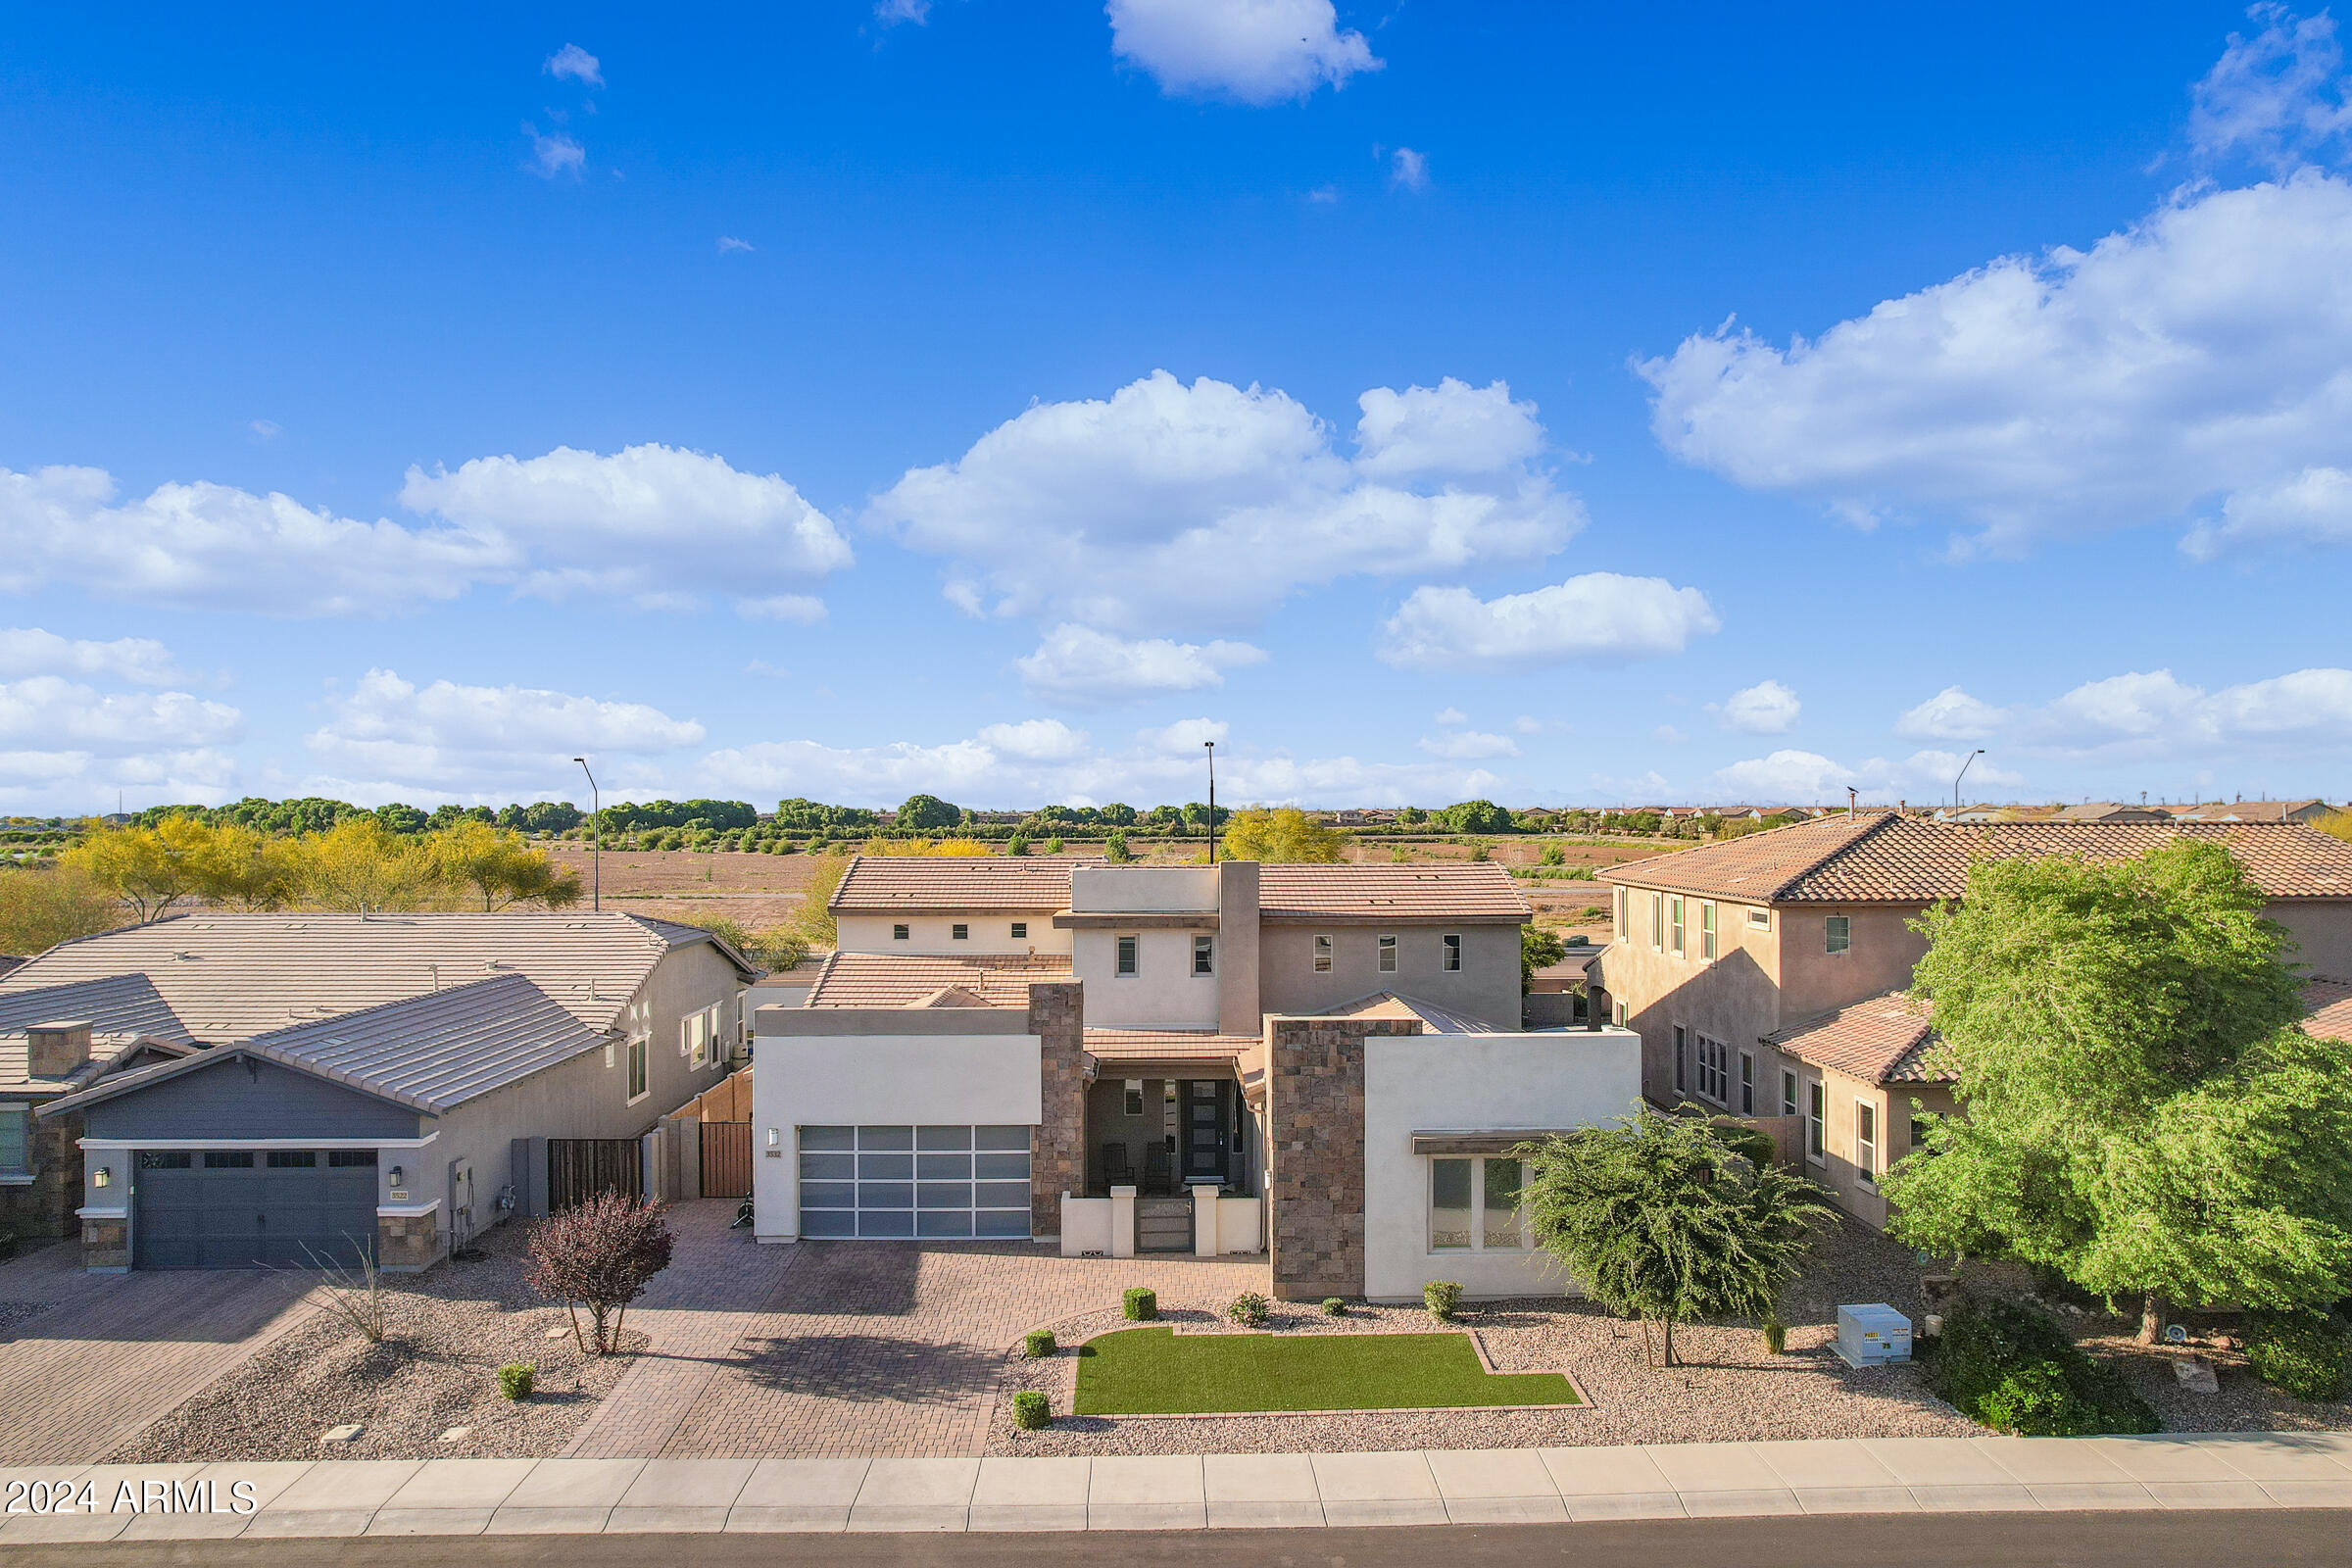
x=1474, y=1083
x=842, y=1067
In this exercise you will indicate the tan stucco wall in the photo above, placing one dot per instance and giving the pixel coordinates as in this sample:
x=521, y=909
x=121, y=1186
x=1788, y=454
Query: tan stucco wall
x=1485, y=987
x=1733, y=999
x=2323, y=935
x=1840, y=1171
x=1815, y=980
x=933, y=935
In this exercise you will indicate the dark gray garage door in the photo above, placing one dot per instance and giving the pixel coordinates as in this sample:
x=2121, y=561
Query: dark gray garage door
x=236, y=1208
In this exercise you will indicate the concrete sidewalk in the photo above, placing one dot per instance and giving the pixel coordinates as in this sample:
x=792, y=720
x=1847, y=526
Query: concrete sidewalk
x=1498, y=1485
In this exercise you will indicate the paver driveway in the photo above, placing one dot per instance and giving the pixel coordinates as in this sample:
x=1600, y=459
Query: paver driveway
x=822, y=1348
x=106, y=1354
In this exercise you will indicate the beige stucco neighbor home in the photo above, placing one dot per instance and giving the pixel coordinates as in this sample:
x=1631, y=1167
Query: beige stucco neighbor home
x=1326, y=1062
x=1765, y=974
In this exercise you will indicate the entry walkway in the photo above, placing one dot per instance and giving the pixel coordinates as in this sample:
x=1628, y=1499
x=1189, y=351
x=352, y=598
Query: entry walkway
x=1254, y=1490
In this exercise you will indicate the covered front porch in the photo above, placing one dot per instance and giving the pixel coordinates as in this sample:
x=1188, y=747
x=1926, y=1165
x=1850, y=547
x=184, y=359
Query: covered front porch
x=1174, y=1145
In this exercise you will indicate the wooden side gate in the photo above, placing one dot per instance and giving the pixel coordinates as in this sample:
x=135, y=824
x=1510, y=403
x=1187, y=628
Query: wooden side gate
x=580, y=1168
x=727, y=1159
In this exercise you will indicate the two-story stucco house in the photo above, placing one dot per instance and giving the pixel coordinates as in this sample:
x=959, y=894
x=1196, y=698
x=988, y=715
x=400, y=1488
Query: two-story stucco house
x=1323, y=1060
x=1765, y=974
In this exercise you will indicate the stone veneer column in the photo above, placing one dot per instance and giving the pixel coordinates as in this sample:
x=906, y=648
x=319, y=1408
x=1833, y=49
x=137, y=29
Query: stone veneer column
x=405, y=1244
x=1058, y=1148
x=1315, y=1153
x=106, y=1244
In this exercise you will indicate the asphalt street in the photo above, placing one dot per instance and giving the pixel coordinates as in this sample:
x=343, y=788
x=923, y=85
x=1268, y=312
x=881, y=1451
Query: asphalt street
x=2137, y=1539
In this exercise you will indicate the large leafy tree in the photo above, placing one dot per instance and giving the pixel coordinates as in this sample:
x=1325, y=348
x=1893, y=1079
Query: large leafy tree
x=924, y=812
x=39, y=908
x=499, y=868
x=1666, y=1219
x=1284, y=835
x=2141, y=1114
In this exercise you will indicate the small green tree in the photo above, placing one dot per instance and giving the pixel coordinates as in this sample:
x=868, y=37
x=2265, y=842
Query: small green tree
x=1284, y=835
x=1664, y=1219
x=1538, y=949
x=925, y=812
x=2142, y=1115
x=39, y=909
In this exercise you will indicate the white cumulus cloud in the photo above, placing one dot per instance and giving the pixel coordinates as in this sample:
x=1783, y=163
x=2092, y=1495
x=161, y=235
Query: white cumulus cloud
x=1185, y=737
x=1951, y=714
x=1256, y=51
x=1037, y=740
x=1168, y=506
x=1468, y=745
x=1793, y=777
x=556, y=153
x=2310, y=507
x=1078, y=664
x=1600, y=618
x=575, y=63
x=2277, y=97
x=1767, y=708
x=451, y=736
x=1408, y=170
x=50, y=713
x=140, y=660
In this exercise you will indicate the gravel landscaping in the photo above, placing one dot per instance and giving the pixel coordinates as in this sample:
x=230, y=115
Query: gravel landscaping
x=449, y=1330
x=1732, y=1391
x=12, y=1313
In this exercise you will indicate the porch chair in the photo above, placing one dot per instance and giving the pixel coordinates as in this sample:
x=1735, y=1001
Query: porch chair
x=1116, y=1171
x=1159, y=1175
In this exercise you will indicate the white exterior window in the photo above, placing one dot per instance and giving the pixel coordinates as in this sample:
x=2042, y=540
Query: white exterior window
x=1748, y=1083
x=898, y=932
x=16, y=1142
x=1474, y=1205
x=692, y=1043
x=1682, y=1060
x=1866, y=1139
x=1127, y=947
x=1205, y=954
x=1657, y=922
x=1837, y=933
x=1706, y=930
x=638, y=1052
x=1135, y=1097
x=1817, y=1108
x=1673, y=923
x=1759, y=920
x=1714, y=1070
x=1452, y=949
x=1388, y=954
x=1020, y=930
x=960, y=932
x=1322, y=955
x=1788, y=1092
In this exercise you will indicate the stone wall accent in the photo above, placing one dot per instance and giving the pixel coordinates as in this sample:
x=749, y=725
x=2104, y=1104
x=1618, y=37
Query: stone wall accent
x=106, y=1244
x=1315, y=1153
x=44, y=1208
x=1058, y=1148
x=407, y=1242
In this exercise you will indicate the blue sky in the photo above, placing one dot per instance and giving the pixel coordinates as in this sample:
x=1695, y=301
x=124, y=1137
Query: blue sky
x=1424, y=401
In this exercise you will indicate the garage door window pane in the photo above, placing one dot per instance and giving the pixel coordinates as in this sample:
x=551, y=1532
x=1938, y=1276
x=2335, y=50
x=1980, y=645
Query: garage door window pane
x=828, y=1167
x=885, y=1167
x=228, y=1159
x=163, y=1159
x=1001, y=1222
x=828, y=1194
x=1001, y=1194
x=829, y=1138
x=293, y=1160
x=883, y=1223
x=885, y=1138
x=351, y=1159
x=943, y=1168
x=943, y=1194
x=953, y=1226
x=823, y=1222
x=1002, y=1138
x=1001, y=1168
x=943, y=1138
x=886, y=1195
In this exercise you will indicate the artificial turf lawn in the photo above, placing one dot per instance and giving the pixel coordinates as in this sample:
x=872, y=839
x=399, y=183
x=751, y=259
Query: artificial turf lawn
x=1157, y=1372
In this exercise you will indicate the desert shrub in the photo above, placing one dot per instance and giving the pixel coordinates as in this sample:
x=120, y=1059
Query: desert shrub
x=1248, y=1309
x=1776, y=1337
x=1030, y=1410
x=1039, y=1343
x=516, y=1378
x=1443, y=1298
x=2297, y=1352
x=599, y=1255
x=1333, y=1306
x=1140, y=1304
x=2014, y=1369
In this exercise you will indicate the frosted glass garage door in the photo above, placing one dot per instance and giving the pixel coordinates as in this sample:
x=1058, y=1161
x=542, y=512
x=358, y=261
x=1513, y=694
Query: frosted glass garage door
x=923, y=1183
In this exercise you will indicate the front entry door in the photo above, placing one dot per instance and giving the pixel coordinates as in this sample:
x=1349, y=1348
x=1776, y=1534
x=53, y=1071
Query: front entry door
x=1206, y=1132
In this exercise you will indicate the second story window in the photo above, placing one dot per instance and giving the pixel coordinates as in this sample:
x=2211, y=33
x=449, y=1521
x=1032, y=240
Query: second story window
x=1706, y=930
x=1759, y=920
x=898, y=932
x=1452, y=949
x=1837, y=933
x=1673, y=923
x=1020, y=930
x=1322, y=955
x=1657, y=922
x=1866, y=1139
x=960, y=932
x=1388, y=954
x=1205, y=954
x=1126, y=955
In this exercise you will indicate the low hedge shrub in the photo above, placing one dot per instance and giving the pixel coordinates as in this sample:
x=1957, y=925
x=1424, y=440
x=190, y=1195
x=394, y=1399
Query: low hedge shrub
x=1039, y=1343
x=1030, y=1410
x=1140, y=1304
x=1248, y=1309
x=515, y=1380
x=2298, y=1353
x=2014, y=1369
x=1333, y=1306
x=1443, y=1298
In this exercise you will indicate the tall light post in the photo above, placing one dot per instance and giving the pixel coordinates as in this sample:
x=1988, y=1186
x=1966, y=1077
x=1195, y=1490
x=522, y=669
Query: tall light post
x=1963, y=773
x=596, y=839
x=1212, y=801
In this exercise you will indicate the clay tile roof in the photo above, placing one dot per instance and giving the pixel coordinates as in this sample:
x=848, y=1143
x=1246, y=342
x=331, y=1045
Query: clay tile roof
x=1470, y=891
x=2328, y=1009
x=1881, y=857
x=911, y=980
x=885, y=884
x=1886, y=1039
x=1114, y=1046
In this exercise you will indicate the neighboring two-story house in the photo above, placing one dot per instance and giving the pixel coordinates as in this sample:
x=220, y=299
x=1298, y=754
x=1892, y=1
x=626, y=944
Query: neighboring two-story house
x=1325, y=1059
x=1765, y=973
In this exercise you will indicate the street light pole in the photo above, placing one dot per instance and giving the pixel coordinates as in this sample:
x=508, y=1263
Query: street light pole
x=596, y=839
x=1212, y=801
x=1963, y=773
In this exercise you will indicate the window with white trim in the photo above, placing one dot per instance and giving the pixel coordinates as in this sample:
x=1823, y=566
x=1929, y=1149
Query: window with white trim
x=898, y=932
x=639, y=1051
x=1388, y=954
x=1322, y=955
x=1788, y=1091
x=1706, y=929
x=1817, y=1116
x=16, y=1139
x=1451, y=947
x=1127, y=955
x=1657, y=922
x=1682, y=1060
x=1673, y=923
x=1866, y=1140
x=1837, y=933
x=692, y=1042
x=1714, y=1070
x=960, y=932
x=1474, y=1205
x=1748, y=1083
x=1759, y=920
x=1205, y=954
x=1020, y=930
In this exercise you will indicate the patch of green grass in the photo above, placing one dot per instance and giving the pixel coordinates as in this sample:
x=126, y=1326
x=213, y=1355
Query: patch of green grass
x=1156, y=1372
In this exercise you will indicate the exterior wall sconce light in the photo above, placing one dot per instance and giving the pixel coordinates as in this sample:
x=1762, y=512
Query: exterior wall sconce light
x=105, y=1176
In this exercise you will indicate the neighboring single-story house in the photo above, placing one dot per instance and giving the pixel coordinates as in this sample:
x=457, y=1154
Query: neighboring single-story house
x=335, y=1083
x=1325, y=1061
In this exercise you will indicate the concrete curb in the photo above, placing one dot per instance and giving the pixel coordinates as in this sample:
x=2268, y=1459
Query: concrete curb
x=1181, y=1492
